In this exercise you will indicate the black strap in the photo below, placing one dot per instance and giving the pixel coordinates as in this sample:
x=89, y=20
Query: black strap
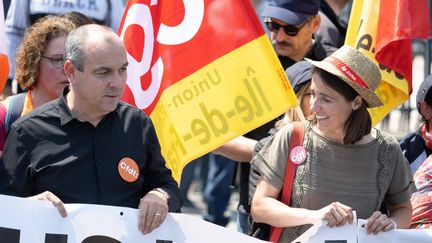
x=14, y=110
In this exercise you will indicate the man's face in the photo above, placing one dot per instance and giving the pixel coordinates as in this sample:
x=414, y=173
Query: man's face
x=99, y=86
x=294, y=47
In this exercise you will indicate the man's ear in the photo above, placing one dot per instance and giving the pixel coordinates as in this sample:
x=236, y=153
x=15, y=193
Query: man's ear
x=425, y=110
x=69, y=69
x=357, y=102
x=315, y=23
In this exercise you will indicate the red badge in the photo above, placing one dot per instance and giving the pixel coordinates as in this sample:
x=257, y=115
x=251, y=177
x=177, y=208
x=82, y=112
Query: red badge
x=298, y=155
x=128, y=169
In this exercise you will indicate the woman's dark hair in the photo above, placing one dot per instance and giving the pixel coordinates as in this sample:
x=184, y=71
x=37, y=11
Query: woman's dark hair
x=359, y=122
x=428, y=100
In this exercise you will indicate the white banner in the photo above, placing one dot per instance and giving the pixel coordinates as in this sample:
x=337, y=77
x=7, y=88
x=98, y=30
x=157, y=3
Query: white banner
x=29, y=221
x=356, y=233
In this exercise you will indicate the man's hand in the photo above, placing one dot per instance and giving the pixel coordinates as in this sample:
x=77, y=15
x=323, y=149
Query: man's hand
x=153, y=209
x=48, y=196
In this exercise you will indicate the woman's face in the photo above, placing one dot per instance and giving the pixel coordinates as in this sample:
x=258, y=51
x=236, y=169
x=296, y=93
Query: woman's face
x=331, y=110
x=52, y=78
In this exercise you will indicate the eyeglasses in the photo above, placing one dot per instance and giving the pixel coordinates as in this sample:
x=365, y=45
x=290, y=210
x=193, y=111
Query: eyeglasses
x=290, y=30
x=56, y=60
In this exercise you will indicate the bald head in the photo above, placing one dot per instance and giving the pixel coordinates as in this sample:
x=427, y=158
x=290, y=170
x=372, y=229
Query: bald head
x=81, y=41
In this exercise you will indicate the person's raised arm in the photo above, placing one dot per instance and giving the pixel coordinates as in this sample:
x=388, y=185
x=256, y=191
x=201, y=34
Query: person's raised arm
x=239, y=149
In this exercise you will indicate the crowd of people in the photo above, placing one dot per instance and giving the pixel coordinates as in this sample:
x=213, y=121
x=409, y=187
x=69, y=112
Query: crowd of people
x=72, y=70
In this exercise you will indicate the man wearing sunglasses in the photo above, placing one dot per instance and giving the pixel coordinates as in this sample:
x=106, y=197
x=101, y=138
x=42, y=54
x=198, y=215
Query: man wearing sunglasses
x=292, y=24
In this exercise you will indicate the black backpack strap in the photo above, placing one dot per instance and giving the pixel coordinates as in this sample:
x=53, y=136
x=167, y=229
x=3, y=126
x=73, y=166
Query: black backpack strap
x=14, y=110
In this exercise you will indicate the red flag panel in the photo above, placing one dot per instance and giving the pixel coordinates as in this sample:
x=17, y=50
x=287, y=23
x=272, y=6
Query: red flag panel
x=399, y=22
x=219, y=31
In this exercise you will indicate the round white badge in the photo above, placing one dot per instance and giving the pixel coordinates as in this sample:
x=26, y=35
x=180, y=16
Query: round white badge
x=298, y=155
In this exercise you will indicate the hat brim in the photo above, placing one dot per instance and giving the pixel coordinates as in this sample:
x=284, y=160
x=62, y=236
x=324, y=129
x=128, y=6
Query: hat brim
x=369, y=96
x=285, y=15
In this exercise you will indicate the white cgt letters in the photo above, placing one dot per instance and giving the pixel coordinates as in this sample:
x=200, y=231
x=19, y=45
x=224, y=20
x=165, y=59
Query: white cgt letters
x=139, y=14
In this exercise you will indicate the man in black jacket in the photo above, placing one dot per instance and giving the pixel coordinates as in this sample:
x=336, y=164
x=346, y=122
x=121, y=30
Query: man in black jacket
x=86, y=146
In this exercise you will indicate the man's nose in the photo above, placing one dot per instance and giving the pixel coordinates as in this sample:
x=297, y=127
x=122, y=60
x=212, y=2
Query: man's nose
x=118, y=80
x=280, y=34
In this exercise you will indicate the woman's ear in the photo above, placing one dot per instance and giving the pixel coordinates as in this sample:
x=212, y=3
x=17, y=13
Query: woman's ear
x=357, y=102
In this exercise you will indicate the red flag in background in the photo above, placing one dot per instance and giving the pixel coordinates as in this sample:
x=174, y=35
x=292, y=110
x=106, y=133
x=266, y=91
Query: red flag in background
x=383, y=30
x=203, y=70
x=400, y=21
x=4, y=65
x=170, y=40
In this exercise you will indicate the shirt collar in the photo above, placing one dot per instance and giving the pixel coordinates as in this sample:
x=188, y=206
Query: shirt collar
x=64, y=111
x=66, y=114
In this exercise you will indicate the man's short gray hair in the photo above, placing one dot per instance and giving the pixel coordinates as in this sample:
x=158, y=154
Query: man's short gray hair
x=76, y=42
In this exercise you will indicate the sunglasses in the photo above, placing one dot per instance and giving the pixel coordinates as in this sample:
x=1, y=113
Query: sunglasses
x=56, y=60
x=290, y=30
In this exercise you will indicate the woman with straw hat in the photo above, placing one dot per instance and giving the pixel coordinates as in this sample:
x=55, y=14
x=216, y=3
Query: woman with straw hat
x=349, y=166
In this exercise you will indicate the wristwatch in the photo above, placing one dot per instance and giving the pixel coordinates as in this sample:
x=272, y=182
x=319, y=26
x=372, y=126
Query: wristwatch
x=163, y=192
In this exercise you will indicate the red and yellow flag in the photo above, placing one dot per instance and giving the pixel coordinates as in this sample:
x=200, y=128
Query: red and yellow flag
x=204, y=71
x=4, y=65
x=383, y=30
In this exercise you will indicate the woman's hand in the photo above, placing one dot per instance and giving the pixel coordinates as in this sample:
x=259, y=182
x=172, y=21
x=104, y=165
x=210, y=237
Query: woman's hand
x=336, y=214
x=379, y=222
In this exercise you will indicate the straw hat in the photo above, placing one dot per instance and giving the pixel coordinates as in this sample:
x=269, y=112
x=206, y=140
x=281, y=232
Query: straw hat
x=356, y=69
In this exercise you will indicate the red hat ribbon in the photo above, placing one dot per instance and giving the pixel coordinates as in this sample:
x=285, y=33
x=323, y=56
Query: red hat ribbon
x=347, y=71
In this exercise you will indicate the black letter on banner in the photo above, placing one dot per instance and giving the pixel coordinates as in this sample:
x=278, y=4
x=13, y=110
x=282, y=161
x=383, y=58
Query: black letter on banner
x=9, y=235
x=365, y=43
x=384, y=68
x=55, y=238
x=100, y=239
x=164, y=241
